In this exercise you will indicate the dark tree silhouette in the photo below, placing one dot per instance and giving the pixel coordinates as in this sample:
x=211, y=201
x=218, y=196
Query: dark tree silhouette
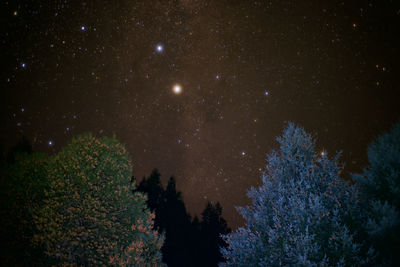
x=154, y=190
x=2, y=155
x=187, y=242
x=23, y=146
x=22, y=185
x=171, y=218
x=177, y=223
x=211, y=227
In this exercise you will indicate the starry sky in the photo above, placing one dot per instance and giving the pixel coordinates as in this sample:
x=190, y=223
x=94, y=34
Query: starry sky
x=200, y=89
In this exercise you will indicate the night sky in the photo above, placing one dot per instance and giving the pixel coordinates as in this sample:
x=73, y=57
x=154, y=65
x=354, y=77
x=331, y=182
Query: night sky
x=200, y=89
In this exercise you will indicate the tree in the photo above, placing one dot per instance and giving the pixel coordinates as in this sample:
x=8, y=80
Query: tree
x=380, y=187
x=187, y=242
x=212, y=227
x=24, y=181
x=171, y=218
x=153, y=188
x=301, y=214
x=176, y=223
x=90, y=216
x=23, y=146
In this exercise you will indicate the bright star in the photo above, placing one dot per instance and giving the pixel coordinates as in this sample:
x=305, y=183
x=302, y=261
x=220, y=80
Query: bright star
x=83, y=28
x=177, y=89
x=159, y=48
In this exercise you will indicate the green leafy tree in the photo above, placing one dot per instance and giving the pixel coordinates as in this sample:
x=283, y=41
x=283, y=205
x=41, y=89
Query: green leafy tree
x=380, y=187
x=90, y=216
x=302, y=213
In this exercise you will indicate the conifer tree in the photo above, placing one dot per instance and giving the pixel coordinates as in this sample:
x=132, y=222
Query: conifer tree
x=380, y=186
x=153, y=188
x=302, y=213
x=90, y=216
x=187, y=242
x=212, y=226
x=171, y=219
x=176, y=222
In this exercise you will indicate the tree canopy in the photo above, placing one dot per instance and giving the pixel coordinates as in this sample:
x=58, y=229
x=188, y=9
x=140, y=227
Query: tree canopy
x=301, y=215
x=380, y=186
x=23, y=184
x=90, y=216
x=187, y=242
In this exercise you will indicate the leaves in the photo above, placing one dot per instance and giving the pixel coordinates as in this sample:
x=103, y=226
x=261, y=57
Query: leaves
x=90, y=215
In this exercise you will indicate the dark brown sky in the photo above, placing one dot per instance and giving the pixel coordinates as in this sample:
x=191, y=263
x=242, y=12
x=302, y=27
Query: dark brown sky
x=245, y=67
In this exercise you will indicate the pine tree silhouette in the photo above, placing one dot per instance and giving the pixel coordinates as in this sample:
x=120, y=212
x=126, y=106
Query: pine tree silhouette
x=187, y=242
x=212, y=226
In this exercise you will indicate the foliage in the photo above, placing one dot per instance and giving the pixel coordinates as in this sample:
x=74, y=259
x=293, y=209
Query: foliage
x=24, y=180
x=90, y=216
x=301, y=215
x=154, y=191
x=380, y=186
x=212, y=226
x=187, y=242
x=171, y=218
x=23, y=146
x=175, y=221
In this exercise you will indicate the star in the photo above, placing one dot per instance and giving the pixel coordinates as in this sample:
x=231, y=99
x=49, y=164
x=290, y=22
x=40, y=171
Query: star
x=23, y=65
x=83, y=28
x=266, y=93
x=177, y=89
x=243, y=153
x=159, y=48
x=50, y=143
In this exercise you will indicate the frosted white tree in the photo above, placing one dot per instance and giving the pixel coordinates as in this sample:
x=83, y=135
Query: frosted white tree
x=303, y=213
